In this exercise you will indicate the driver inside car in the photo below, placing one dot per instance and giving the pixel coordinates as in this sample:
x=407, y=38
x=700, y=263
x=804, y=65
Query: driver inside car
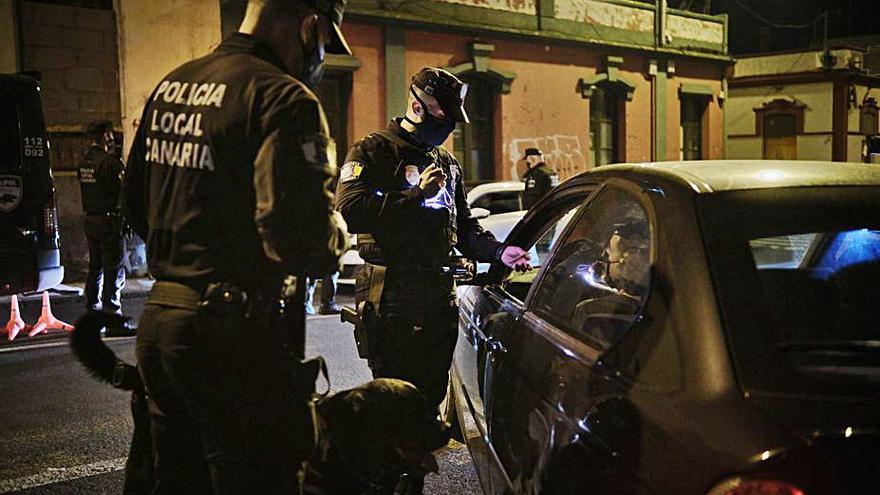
x=619, y=279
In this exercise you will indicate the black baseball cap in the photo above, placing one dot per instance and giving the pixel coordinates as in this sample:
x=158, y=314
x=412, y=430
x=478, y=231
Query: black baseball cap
x=97, y=128
x=333, y=9
x=533, y=152
x=448, y=90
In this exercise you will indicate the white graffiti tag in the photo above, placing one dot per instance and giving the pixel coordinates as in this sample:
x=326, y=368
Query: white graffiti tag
x=562, y=153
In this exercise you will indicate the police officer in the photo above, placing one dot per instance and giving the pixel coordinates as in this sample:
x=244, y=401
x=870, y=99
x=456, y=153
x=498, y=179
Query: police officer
x=232, y=149
x=539, y=178
x=100, y=180
x=401, y=191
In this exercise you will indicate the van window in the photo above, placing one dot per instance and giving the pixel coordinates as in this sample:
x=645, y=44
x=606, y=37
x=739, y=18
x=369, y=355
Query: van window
x=10, y=139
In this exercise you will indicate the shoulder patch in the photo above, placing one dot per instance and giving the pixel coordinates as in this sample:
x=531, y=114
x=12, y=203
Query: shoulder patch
x=350, y=171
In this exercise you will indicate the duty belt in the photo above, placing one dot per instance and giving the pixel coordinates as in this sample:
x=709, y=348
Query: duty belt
x=177, y=295
x=174, y=295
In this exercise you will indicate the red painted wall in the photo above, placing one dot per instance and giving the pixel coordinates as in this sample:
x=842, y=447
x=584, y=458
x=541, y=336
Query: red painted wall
x=367, y=105
x=544, y=108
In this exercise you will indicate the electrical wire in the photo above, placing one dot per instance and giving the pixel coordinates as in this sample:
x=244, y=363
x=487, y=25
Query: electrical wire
x=777, y=25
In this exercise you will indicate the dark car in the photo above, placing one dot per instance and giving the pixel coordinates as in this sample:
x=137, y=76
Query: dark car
x=689, y=328
x=29, y=255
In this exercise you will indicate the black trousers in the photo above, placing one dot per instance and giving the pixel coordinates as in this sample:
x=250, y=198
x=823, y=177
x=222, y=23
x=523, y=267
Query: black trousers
x=417, y=330
x=225, y=414
x=106, y=272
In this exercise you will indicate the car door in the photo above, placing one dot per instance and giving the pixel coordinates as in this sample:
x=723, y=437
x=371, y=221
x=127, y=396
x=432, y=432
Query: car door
x=489, y=308
x=549, y=397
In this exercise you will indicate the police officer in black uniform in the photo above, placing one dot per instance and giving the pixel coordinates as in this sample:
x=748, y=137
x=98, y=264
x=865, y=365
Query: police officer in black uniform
x=402, y=192
x=539, y=178
x=228, y=181
x=100, y=180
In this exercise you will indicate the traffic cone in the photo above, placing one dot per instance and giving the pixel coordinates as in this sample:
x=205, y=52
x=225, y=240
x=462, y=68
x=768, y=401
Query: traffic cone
x=16, y=324
x=47, y=320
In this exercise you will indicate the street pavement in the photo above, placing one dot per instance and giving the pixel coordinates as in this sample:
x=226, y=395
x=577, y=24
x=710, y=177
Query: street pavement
x=62, y=432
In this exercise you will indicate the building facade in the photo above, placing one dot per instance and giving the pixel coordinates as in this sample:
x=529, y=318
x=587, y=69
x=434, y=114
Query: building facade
x=803, y=105
x=590, y=82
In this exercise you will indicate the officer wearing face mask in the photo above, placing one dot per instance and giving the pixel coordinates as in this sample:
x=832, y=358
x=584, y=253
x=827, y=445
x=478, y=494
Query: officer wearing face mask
x=228, y=181
x=401, y=191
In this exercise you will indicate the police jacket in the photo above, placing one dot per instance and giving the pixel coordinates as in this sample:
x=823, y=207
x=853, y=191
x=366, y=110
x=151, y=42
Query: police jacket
x=539, y=180
x=228, y=175
x=100, y=181
x=396, y=225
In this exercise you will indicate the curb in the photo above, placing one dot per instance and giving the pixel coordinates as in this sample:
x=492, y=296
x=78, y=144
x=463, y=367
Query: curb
x=134, y=289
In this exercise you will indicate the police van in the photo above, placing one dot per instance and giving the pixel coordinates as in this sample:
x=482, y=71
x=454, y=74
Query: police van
x=29, y=248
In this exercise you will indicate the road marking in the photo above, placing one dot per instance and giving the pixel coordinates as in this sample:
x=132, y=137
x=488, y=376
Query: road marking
x=49, y=345
x=60, y=475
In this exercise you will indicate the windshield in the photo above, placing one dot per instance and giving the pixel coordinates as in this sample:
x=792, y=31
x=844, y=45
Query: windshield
x=796, y=272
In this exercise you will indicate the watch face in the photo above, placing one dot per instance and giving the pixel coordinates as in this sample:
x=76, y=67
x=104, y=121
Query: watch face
x=411, y=172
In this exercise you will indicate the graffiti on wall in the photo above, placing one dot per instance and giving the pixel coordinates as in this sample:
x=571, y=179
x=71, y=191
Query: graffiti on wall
x=563, y=153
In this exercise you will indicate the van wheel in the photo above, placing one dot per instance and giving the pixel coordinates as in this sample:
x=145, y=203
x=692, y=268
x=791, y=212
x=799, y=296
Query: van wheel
x=448, y=414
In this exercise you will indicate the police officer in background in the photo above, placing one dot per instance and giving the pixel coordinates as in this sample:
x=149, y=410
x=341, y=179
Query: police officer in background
x=539, y=178
x=401, y=191
x=228, y=181
x=100, y=180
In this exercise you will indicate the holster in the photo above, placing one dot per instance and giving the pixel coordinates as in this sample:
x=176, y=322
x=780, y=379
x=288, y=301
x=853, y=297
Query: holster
x=365, y=316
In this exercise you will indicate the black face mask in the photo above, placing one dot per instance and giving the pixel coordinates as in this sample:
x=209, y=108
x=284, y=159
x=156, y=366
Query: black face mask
x=313, y=63
x=432, y=130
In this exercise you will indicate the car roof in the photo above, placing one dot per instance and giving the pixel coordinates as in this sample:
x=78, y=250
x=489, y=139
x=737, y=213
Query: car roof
x=730, y=175
x=490, y=187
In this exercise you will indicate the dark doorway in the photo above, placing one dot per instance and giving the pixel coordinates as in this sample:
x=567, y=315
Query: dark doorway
x=334, y=91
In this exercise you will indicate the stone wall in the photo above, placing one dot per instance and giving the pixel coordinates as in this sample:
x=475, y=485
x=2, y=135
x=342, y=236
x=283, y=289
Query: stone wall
x=74, y=51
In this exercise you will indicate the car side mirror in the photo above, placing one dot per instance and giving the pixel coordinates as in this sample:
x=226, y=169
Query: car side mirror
x=480, y=213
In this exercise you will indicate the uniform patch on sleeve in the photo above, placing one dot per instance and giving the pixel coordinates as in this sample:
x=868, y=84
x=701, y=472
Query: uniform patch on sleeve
x=350, y=171
x=318, y=150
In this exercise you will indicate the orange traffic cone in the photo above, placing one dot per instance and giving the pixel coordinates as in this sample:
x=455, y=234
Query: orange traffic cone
x=47, y=320
x=16, y=324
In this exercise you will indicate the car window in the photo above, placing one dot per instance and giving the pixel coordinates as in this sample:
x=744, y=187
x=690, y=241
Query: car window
x=808, y=327
x=785, y=251
x=10, y=141
x=598, y=280
x=500, y=202
x=518, y=284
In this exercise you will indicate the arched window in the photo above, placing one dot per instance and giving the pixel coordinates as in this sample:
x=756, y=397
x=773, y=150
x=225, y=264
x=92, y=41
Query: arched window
x=474, y=143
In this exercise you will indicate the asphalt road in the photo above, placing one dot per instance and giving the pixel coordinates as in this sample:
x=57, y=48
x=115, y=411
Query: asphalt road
x=61, y=432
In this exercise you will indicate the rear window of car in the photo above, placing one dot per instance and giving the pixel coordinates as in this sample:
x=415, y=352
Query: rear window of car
x=798, y=286
x=10, y=138
x=500, y=202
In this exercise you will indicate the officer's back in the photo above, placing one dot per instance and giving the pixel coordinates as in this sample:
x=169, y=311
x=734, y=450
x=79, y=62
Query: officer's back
x=228, y=182
x=211, y=132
